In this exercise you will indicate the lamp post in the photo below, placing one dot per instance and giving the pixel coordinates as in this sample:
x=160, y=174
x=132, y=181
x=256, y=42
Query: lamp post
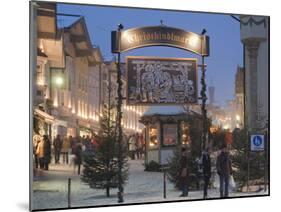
x=204, y=99
x=119, y=118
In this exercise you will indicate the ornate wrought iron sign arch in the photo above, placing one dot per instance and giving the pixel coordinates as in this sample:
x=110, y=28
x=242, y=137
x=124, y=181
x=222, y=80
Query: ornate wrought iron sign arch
x=125, y=40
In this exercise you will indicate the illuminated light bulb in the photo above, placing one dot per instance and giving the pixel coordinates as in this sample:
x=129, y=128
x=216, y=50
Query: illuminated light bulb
x=237, y=117
x=193, y=40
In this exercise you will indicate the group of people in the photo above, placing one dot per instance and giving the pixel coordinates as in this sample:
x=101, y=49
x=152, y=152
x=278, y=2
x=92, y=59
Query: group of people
x=42, y=151
x=223, y=167
x=70, y=148
x=136, y=146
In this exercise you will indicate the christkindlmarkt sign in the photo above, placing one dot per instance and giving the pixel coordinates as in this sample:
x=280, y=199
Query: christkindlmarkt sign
x=159, y=36
x=153, y=80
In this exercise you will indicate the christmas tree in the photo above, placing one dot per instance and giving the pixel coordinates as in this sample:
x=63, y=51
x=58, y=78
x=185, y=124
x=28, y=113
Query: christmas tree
x=194, y=150
x=248, y=166
x=101, y=168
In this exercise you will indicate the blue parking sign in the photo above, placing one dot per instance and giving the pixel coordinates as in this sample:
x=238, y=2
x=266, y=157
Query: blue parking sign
x=257, y=142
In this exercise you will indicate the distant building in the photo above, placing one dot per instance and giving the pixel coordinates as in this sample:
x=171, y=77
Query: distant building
x=239, y=97
x=254, y=36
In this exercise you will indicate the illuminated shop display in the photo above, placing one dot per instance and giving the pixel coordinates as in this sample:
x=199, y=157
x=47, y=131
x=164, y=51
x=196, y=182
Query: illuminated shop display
x=153, y=141
x=185, y=137
x=169, y=134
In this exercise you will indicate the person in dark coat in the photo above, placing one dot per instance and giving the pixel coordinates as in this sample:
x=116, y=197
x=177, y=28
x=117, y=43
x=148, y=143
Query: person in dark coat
x=206, y=163
x=57, y=147
x=78, y=156
x=224, y=170
x=47, y=152
x=183, y=173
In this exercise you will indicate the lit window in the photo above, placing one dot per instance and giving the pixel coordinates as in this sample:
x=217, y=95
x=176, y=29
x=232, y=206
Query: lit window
x=169, y=134
x=153, y=142
x=185, y=137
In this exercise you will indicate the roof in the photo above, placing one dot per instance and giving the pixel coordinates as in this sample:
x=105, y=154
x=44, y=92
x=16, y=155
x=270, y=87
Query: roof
x=164, y=110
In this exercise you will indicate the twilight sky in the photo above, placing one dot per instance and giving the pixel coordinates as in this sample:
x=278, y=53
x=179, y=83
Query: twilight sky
x=226, y=51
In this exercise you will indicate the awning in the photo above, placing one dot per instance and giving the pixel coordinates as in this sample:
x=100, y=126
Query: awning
x=47, y=117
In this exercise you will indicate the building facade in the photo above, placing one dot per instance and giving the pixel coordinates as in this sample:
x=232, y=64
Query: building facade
x=71, y=80
x=49, y=56
x=254, y=36
x=82, y=81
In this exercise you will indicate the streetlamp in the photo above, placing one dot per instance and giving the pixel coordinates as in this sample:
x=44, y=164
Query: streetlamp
x=237, y=118
x=59, y=81
x=56, y=80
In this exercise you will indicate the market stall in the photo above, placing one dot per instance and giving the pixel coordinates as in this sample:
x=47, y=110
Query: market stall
x=167, y=128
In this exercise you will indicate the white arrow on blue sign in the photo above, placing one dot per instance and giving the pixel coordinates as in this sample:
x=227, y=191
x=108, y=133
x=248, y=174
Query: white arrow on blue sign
x=257, y=142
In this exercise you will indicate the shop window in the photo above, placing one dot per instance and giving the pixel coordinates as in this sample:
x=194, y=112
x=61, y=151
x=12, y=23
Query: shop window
x=169, y=134
x=185, y=133
x=153, y=141
x=40, y=75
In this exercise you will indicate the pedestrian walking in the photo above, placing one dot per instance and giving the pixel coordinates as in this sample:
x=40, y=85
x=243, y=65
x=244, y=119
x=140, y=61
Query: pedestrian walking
x=206, y=163
x=88, y=145
x=183, y=178
x=138, y=146
x=40, y=153
x=78, y=157
x=36, y=140
x=224, y=170
x=132, y=147
x=47, y=151
x=73, y=144
x=65, y=149
x=141, y=145
x=57, y=147
x=94, y=143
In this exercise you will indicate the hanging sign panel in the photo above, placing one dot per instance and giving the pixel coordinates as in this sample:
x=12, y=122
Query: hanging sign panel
x=152, y=80
x=257, y=142
x=159, y=36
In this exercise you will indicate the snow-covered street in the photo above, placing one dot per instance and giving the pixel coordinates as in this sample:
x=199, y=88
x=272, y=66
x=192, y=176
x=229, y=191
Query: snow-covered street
x=50, y=188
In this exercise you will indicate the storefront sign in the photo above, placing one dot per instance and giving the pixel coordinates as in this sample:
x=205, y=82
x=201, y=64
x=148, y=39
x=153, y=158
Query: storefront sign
x=161, y=80
x=159, y=36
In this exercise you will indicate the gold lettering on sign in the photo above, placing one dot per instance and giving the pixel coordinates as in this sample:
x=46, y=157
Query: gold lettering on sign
x=157, y=36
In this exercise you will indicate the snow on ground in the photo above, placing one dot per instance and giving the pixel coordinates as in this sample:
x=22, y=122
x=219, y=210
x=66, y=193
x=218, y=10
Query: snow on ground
x=50, y=188
x=164, y=110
